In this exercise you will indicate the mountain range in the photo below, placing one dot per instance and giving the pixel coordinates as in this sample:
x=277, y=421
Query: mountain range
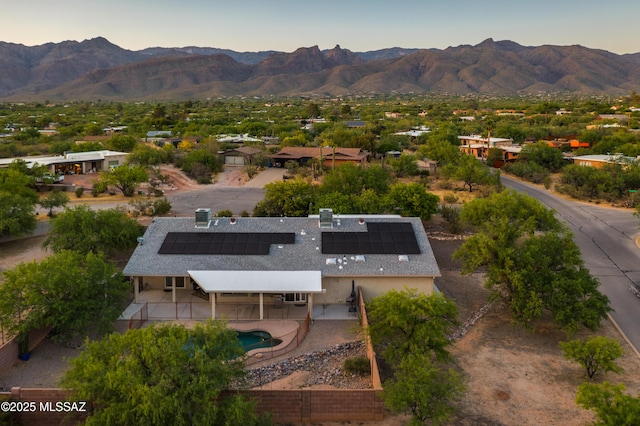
x=97, y=69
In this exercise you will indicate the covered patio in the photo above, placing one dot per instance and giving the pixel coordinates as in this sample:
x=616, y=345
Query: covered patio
x=181, y=304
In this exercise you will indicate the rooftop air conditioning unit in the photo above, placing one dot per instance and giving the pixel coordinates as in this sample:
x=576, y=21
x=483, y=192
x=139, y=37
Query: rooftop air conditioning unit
x=326, y=218
x=203, y=218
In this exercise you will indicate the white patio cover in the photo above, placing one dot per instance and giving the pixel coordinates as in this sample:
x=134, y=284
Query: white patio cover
x=258, y=281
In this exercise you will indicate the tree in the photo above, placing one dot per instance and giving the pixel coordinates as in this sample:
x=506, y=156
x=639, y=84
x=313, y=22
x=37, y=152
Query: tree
x=542, y=154
x=71, y=292
x=440, y=151
x=411, y=200
x=17, y=202
x=532, y=263
x=422, y=388
x=403, y=322
x=163, y=374
x=55, y=199
x=598, y=353
x=405, y=165
x=84, y=230
x=352, y=179
x=125, y=178
x=471, y=172
x=123, y=143
x=17, y=214
x=146, y=155
x=610, y=404
x=286, y=198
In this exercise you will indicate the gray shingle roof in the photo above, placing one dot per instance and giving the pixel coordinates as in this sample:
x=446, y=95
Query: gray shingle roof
x=304, y=254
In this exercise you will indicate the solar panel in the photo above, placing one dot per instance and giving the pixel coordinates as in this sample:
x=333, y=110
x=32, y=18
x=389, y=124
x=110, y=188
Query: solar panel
x=233, y=243
x=380, y=238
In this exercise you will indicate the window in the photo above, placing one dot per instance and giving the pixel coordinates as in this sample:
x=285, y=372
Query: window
x=178, y=280
x=295, y=297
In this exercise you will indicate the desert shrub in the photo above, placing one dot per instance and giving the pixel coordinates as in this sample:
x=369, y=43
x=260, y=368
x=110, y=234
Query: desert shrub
x=79, y=192
x=359, y=365
x=527, y=170
x=225, y=213
x=452, y=215
x=161, y=206
x=450, y=198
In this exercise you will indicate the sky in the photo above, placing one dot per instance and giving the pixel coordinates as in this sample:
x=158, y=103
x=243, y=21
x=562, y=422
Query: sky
x=357, y=25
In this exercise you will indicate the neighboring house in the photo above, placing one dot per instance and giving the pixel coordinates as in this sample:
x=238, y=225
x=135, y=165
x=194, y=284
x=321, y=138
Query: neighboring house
x=263, y=261
x=488, y=142
x=91, y=139
x=478, y=146
x=74, y=162
x=239, y=139
x=478, y=150
x=330, y=156
x=157, y=136
x=415, y=132
x=598, y=161
x=573, y=143
x=240, y=156
x=354, y=124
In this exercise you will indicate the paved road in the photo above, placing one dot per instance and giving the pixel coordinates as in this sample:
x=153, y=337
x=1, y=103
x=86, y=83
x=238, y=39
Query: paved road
x=221, y=197
x=606, y=237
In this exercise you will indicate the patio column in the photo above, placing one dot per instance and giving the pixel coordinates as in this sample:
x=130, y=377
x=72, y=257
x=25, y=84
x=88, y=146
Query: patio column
x=173, y=289
x=136, y=288
x=310, y=304
x=213, y=305
x=261, y=306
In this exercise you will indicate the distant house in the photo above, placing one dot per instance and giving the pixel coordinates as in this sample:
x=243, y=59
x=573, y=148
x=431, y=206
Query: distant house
x=489, y=142
x=240, y=156
x=92, y=139
x=239, y=139
x=74, y=162
x=415, y=132
x=598, y=161
x=355, y=124
x=478, y=146
x=157, y=136
x=329, y=156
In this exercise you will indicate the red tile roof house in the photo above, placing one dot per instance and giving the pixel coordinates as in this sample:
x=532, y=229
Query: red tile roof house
x=330, y=156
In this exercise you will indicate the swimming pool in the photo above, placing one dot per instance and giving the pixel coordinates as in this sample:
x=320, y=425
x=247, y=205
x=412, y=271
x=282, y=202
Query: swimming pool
x=257, y=339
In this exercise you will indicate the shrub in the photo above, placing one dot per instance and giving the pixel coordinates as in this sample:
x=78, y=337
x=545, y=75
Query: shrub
x=599, y=353
x=79, y=192
x=359, y=365
x=225, y=213
x=450, y=198
x=452, y=215
x=161, y=206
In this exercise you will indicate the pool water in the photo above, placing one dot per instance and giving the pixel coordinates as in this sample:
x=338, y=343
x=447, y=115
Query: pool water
x=257, y=339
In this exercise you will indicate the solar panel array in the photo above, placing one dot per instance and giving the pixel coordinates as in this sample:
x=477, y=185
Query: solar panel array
x=235, y=243
x=380, y=238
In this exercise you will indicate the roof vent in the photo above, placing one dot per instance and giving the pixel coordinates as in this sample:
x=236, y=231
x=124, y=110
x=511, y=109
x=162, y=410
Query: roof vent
x=403, y=258
x=326, y=218
x=361, y=221
x=360, y=258
x=203, y=218
x=232, y=221
x=331, y=261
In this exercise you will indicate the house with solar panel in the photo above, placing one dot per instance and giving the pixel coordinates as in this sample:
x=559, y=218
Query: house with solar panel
x=268, y=264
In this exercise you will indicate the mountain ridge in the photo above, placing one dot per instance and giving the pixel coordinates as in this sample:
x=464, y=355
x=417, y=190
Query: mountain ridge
x=98, y=69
